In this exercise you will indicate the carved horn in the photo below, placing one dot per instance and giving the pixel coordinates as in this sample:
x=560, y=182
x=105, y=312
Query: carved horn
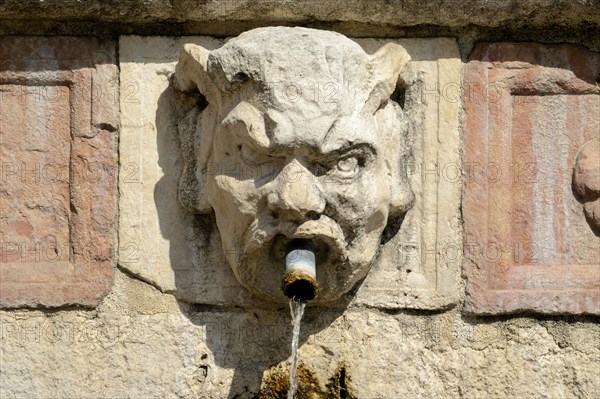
x=196, y=128
x=388, y=67
x=191, y=72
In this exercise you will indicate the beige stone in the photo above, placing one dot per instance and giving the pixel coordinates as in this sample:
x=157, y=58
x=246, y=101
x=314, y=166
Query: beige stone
x=586, y=181
x=418, y=265
x=157, y=236
x=333, y=166
x=127, y=347
x=586, y=173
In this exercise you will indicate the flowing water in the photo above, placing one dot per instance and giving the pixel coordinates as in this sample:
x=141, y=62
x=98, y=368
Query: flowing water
x=297, y=310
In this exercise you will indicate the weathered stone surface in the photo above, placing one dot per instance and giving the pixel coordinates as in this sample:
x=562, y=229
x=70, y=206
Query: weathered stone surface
x=328, y=171
x=139, y=343
x=142, y=343
x=419, y=266
x=586, y=181
x=181, y=254
x=529, y=109
x=586, y=177
x=380, y=12
x=57, y=145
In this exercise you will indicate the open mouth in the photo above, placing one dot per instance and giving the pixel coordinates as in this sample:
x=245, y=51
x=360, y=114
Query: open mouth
x=321, y=245
x=264, y=258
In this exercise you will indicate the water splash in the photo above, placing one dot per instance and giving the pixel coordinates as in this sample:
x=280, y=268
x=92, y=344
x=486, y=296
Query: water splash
x=297, y=310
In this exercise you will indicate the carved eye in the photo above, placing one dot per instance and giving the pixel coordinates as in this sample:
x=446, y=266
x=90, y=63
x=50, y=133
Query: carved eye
x=347, y=167
x=344, y=166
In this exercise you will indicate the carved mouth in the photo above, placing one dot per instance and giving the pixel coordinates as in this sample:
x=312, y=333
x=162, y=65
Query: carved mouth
x=263, y=256
x=322, y=247
x=324, y=234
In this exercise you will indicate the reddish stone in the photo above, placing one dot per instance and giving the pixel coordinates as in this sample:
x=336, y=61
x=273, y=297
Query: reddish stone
x=528, y=246
x=58, y=171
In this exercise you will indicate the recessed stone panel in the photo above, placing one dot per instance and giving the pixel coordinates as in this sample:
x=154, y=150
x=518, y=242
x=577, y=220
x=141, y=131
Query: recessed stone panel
x=530, y=109
x=58, y=162
x=419, y=260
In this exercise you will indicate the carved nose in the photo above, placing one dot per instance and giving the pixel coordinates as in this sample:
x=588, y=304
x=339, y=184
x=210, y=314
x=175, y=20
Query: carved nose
x=297, y=195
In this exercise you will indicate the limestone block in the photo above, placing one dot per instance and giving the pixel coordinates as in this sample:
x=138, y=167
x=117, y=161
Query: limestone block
x=141, y=343
x=326, y=173
x=499, y=13
x=419, y=266
x=58, y=107
x=530, y=109
x=181, y=253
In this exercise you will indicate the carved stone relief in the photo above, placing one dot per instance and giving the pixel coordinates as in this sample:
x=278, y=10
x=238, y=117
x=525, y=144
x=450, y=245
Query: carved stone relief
x=330, y=171
x=530, y=109
x=298, y=133
x=586, y=182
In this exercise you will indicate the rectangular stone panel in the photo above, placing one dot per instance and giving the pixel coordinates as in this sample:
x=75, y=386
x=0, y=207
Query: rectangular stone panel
x=58, y=122
x=419, y=264
x=530, y=110
x=419, y=267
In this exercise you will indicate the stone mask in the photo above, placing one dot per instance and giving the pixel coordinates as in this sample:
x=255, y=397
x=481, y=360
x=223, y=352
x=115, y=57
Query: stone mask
x=299, y=140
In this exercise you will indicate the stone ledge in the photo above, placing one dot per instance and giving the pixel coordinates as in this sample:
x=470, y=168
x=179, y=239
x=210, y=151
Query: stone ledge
x=453, y=13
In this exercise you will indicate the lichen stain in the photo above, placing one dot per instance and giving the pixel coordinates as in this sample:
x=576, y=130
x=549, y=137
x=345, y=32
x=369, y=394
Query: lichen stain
x=276, y=383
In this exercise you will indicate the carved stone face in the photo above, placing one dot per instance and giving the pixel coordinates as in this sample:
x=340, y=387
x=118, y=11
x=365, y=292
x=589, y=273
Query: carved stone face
x=586, y=182
x=299, y=140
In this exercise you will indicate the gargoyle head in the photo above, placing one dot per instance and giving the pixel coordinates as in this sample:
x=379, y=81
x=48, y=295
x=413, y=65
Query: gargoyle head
x=299, y=140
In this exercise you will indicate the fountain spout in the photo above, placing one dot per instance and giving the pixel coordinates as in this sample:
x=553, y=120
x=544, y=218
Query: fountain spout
x=300, y=278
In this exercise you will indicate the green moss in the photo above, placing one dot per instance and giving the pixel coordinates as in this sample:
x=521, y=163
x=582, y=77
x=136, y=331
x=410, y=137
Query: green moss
x=275, y=385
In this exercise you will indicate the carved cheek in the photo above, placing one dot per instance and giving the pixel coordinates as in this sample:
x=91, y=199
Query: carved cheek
x=237, y=196
x=233, y=211
x=361, y=202
x=378, y=199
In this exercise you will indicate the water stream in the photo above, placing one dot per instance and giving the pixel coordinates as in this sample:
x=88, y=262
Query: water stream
x=297, y=310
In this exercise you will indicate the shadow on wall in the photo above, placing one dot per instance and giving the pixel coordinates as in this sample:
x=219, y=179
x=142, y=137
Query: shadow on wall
x=242, y=332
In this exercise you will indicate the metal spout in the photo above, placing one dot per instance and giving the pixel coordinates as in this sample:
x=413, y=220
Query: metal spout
x=300, y=278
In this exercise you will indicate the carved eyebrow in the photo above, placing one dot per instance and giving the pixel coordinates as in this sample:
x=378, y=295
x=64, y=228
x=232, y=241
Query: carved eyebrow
x=338, y=140
x=350, y=147
x=248, y=125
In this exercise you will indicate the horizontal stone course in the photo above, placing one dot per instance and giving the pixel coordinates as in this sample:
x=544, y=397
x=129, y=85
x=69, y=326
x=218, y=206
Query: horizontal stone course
x=380, y=12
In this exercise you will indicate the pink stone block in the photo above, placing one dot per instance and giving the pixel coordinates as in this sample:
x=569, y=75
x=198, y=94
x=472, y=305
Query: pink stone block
x=58, y=170
x=529, y=246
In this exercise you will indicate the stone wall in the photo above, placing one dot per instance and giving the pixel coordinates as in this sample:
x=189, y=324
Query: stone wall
x=489, y=288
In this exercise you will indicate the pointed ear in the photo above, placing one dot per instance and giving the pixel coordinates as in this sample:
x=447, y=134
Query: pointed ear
x=388, y=66
x=395, y=131
x=196, y=128
x=191, y=72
